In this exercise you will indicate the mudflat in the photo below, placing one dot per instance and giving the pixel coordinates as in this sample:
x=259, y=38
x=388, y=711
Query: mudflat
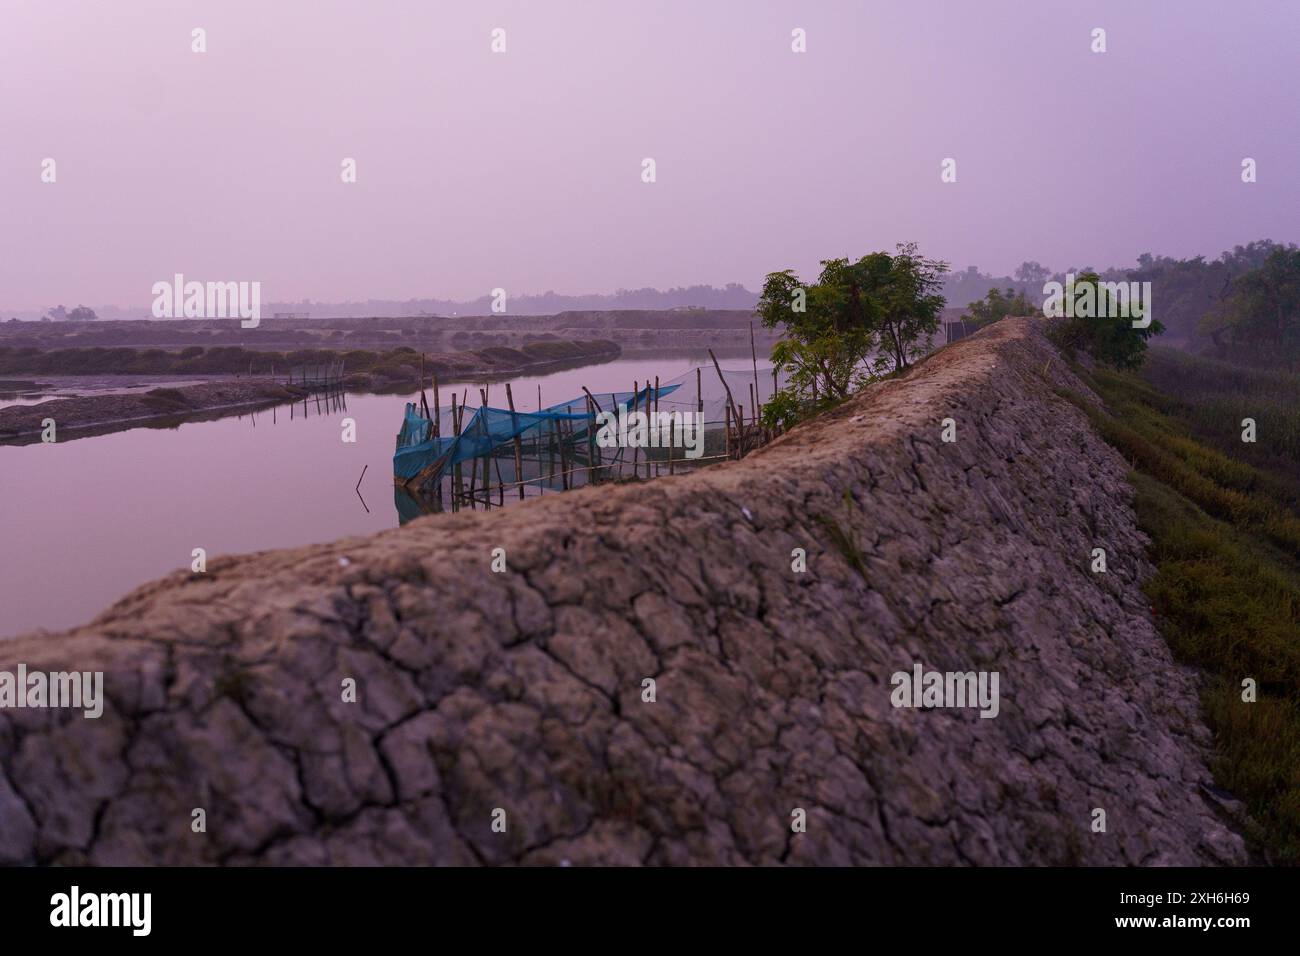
x=89, y=411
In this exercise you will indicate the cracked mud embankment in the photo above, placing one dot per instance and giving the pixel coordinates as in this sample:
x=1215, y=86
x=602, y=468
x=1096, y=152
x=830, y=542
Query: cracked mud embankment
x=522, y=691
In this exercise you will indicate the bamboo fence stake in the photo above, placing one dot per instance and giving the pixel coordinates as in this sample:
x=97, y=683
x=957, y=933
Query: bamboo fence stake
x=636, y=452
x=655, y=421
x=437, y=410
x=519, y=449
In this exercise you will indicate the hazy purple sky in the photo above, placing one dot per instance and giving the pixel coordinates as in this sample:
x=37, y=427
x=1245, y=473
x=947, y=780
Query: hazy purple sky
x=522, y=170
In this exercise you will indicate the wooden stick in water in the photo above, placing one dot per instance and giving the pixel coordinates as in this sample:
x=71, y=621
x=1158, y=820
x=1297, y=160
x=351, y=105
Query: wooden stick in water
x=519, y=448
x=437, y=411
x=730, y=401
x=670, y=442
x=591, y=442
x=487, y=462
x=437, y=433
x=636, y=451
x=455, y=468
x=564, y=456
x=655, y=425
x=593, y=406
x=550, y=449
x=424, y=402
x=593, y=399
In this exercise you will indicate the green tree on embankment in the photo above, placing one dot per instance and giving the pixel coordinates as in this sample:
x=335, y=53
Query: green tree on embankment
x=1093, y=322
x=998, y=305
x=859, y=320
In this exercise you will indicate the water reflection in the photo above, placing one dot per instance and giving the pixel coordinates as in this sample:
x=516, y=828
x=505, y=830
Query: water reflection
x=87, y=520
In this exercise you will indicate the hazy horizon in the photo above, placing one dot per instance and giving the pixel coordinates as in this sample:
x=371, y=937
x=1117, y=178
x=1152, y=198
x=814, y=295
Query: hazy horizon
x=522, y=170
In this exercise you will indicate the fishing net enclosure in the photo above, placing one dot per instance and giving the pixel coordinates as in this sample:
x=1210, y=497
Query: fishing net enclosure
x=422, y=448
x=465, y=451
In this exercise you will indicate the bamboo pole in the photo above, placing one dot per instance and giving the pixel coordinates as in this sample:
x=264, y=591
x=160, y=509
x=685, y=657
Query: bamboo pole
x=591, y=441
x=670, y=442
x=456, y=473
x=487, y=459
x=721, y=378
x=753, y=355
x=731, y=403
x=424, y=399
x=656, y=426
x=564, y=457
x=550, y=452
x=437, y=410
x=519, y=449
x=464, y=404
x=753, y=403
x=636, y=451
x=594, y=448
x=473, y=475
x=437, y=434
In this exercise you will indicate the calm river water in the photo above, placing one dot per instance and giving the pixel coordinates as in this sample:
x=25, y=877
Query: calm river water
x=84, y=521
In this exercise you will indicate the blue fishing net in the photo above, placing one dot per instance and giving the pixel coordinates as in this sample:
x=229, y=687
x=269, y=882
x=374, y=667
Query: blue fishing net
x=420, y=453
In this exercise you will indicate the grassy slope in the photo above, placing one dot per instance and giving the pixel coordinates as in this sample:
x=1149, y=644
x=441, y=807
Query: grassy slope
x=1224, y=521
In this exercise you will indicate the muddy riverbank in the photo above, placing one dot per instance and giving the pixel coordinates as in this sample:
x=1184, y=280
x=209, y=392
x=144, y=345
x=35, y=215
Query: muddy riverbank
x=27, y=422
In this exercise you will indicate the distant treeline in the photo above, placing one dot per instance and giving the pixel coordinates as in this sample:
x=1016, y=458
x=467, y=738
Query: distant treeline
x=731, y=296
x=1184, y=293
x=1244, y=305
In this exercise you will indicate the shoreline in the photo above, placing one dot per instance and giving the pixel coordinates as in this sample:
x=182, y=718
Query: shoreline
x=23, y=424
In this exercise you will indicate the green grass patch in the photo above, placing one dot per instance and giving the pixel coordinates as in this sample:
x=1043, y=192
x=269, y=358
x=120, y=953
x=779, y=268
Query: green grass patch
x=1226, y=542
